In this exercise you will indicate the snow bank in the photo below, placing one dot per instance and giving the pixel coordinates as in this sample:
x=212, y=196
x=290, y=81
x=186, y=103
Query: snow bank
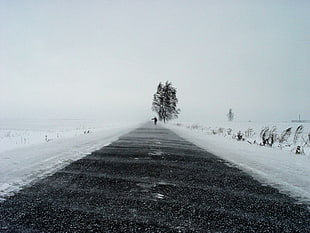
x=281, y=169
x=21, y=133
x=21, y=166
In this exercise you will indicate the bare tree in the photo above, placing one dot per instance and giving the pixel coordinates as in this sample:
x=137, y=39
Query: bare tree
x=230, y=115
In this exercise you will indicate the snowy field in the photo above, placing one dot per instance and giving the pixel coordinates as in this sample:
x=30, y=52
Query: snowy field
x=33, y=149
x=16, y=133
x=277, y=165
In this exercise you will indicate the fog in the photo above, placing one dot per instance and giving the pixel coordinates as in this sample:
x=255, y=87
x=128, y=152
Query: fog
x=104, y=59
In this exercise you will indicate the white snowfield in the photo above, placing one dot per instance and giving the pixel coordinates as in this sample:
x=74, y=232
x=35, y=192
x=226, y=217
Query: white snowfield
x=25, y=161
x=24, y=165
x=282, y=169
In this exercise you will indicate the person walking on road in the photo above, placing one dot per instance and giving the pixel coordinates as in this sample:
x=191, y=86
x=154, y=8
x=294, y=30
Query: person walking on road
x=155, y=120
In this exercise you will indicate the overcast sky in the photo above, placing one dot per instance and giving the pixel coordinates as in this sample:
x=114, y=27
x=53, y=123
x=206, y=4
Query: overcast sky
x=104, y=59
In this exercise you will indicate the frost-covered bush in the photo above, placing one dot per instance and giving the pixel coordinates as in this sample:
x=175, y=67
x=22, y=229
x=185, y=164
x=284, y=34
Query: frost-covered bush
x=239, y=136
x=284, y=137
x=298, y=133
x=195, y=126
x=264, y=134
x=298, y=150
x=272, y=136
x=221, y=130
x=268, y=136
x=229, y=131
x=249, y=133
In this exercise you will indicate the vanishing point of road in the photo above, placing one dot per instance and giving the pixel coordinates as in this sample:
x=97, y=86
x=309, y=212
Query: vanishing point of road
x=151, y=180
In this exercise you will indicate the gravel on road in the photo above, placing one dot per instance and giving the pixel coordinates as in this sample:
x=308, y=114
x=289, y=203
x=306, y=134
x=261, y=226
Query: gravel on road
x=151, y=180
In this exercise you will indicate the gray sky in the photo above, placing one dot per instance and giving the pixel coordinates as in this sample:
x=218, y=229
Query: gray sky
x=104, y=59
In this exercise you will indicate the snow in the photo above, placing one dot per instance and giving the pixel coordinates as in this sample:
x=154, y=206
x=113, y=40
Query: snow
x=280, y=168
x=26, y=156
x=16, y=133
x=23, y=163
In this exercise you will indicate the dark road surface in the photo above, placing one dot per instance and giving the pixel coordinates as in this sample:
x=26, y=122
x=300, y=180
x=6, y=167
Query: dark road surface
x=151, y=180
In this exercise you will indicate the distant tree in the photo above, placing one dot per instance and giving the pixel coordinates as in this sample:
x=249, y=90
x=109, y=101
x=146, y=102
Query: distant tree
x=165, y=102
x=230, y=115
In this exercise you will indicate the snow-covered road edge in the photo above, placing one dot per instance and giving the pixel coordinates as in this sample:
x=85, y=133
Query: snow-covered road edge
x=285, y=171
x=21, y=167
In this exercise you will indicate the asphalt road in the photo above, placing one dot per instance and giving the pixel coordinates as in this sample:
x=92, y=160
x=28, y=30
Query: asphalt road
x=151, y=180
